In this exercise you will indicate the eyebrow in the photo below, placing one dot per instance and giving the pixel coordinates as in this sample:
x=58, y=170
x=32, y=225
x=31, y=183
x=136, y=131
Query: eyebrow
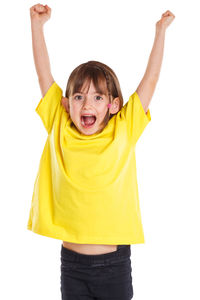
x=92, y=93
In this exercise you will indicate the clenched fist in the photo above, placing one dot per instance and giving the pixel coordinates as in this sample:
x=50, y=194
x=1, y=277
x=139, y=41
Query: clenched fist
x=165, y=20
x=40, y=14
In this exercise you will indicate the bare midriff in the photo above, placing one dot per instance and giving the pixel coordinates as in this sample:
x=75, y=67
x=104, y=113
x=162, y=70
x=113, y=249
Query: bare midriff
x=90, y=249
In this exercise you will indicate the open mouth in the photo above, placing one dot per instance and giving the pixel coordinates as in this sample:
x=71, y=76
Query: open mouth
x=88, y=121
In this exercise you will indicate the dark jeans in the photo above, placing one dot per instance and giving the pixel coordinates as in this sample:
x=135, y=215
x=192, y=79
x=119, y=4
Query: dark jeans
x=101, y=277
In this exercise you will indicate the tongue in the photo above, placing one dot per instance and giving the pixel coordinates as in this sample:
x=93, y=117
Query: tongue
x=89, y=120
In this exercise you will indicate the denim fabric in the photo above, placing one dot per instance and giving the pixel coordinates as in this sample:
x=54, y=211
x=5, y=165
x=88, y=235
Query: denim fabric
x=100, y=277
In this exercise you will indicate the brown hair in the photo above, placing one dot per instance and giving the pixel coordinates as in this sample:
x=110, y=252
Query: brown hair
x=97, y=72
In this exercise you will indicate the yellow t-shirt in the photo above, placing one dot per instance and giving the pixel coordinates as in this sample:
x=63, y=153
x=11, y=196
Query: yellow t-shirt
x=86, y=187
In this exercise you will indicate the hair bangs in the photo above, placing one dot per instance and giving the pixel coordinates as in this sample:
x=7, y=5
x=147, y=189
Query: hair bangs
x=85, y=75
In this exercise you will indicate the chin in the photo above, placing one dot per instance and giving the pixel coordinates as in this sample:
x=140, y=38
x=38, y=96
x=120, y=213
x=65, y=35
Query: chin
x=90, y=131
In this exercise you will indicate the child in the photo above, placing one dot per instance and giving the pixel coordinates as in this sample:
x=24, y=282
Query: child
x=85, y=192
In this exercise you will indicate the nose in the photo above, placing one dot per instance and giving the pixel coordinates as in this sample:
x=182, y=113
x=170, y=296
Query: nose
x=87, y=102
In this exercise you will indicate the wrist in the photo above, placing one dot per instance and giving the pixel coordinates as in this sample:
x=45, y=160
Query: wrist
x=35, y=25
x=160, y=29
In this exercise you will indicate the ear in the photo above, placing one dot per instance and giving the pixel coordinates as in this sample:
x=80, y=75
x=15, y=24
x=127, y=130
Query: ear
x=65, y=103
x=115, y=106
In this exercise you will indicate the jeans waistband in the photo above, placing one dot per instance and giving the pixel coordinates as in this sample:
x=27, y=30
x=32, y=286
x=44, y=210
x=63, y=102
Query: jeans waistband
x=122, y=252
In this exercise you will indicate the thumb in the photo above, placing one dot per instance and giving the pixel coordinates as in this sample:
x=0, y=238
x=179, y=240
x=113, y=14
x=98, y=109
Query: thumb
x=32, y=12
x=48, y=10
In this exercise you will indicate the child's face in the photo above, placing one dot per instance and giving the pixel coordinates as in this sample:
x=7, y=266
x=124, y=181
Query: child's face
x=91, y=103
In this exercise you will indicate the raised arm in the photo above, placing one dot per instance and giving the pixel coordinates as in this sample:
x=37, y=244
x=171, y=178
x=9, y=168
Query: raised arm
x=39, y=15
x=148, y=83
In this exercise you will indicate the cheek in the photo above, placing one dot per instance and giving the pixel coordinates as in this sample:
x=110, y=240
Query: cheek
x=75, y=111
x=102, y=111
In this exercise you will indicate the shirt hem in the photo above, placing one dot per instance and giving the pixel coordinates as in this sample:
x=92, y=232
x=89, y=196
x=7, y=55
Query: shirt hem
x=90, y=240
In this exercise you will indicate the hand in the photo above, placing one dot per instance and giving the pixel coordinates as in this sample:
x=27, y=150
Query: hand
x=40, y=13
x=165, y=21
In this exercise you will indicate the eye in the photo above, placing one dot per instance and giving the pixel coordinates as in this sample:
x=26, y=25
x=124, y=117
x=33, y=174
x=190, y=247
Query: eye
x=99, y=97
x=77, y=96
x=80, y=97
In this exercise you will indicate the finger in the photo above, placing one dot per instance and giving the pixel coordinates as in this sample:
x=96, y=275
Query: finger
x=40, y=8
x=32, y=12
x=170, y=13
x=167, y=13
x=171, y=17
x=37, y=5
x=48, y=9
x=164, y=15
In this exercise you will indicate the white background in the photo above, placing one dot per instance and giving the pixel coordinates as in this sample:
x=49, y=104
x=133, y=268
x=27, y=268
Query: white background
x=119, y=34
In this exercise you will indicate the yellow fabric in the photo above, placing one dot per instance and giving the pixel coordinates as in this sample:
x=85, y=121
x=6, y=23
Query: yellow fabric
x=86, y=187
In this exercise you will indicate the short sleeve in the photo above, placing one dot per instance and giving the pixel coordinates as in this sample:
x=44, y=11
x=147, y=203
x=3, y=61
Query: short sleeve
x=49, y=105
x=135, y=117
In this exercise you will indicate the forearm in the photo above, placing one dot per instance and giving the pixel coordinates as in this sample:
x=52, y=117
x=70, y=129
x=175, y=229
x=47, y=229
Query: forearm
x=156, y=56
x=40, y=54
